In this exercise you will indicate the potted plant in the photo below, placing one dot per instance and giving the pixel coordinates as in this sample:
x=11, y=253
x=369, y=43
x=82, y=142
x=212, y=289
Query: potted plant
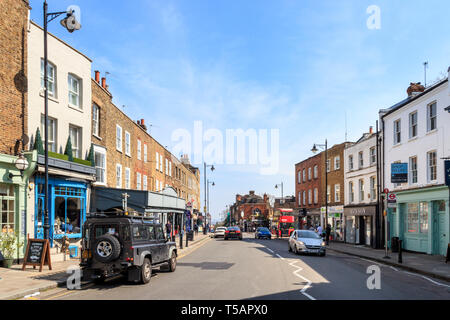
x=9, y=245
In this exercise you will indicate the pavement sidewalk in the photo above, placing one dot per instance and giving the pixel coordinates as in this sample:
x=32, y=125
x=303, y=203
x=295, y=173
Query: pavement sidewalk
x=15, y=283
x=425, y=264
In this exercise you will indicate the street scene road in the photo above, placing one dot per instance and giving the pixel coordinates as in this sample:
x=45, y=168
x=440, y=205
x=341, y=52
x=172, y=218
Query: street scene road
x=264, y=269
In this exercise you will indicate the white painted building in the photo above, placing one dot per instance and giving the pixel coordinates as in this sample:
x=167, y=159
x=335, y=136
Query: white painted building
x=360, y=190
x=417, y=133
x=69, y=106
x=70, y=114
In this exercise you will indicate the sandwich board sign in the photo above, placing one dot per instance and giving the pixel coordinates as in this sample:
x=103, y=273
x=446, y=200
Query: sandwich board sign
x=37, y=254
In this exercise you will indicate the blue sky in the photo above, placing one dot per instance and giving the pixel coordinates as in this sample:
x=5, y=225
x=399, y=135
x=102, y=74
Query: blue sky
x=297, y=66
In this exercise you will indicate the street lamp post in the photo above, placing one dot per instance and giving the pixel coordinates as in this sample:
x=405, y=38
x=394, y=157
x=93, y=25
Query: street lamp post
x=314, y=150
x=207, y=196
x=205, y=208
x=71, y=24
x=276, y=187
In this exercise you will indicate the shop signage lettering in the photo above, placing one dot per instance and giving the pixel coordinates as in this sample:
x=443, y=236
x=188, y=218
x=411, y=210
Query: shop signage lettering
x=37, y=254
x=287, y=219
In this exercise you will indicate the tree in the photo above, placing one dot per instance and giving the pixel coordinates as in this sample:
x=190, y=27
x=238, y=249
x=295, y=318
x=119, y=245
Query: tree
x=90, y=156
x=68, y=152
x=38, y=142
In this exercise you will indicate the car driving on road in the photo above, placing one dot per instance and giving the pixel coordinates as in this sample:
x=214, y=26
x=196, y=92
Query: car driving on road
x=233, y=233
x=220, y=232
x=263, y=233
x=306, y=241
x=123, y=243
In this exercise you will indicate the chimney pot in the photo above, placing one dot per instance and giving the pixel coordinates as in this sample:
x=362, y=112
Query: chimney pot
x=97, y=76
x=104, y=83
x=142, y=121
x=371, y=130
x=139, y=122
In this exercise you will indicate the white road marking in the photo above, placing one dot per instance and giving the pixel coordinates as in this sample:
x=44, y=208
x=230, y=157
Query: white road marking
x=269, y=249
x=414, y=274
x=435, y=282
x=296, y=273
x=308, y=285
x=32, y=295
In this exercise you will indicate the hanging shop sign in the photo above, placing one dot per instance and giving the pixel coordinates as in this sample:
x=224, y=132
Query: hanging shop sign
x=399, y=172
x=447, y=172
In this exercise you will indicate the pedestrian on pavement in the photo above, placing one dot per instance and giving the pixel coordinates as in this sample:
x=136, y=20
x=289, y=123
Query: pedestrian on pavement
x=328, y=232
x=168, y=229
x=319, y=230
x=311, y=228
x=196, y=229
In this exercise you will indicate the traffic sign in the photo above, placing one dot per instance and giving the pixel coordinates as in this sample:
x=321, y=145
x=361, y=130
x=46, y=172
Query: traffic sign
x=392, y=196
x=386, y=191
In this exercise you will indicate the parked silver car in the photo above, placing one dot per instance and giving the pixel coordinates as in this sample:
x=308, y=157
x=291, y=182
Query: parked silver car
x=220, y=232
x=306, y=241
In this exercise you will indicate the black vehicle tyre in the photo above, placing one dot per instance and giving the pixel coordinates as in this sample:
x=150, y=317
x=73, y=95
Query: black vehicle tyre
x=323, y=254
x=99, y=280
x=146, y=271
x=172, y=262
x=106, y=248
x=290, y=249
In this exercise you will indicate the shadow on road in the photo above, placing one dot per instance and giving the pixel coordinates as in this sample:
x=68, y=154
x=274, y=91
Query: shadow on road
x=208, y=265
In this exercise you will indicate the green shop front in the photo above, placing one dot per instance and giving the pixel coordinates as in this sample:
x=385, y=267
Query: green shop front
x=421, y=219
x=14, y=196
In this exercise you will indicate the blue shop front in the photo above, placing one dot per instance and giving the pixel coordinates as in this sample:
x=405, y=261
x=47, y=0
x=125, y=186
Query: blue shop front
x=69, y=187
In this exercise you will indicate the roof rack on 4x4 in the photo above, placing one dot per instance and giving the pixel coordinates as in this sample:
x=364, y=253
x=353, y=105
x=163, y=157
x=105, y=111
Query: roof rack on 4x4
x=118, y=213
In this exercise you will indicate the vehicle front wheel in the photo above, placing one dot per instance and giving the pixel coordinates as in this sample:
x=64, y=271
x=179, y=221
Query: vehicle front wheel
x=323, y=254
x=290, y=249
x=173, y=262
x=146, y=271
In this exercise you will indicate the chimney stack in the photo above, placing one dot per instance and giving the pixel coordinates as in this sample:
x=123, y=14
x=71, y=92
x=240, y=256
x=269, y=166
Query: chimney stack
x=104, y=83
x=97, y=76
x=371, y=130
x=415, y=88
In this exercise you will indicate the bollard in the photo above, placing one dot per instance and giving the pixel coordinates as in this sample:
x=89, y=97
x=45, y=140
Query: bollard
x=187, y=237
x=400, y=260
x=181, y=240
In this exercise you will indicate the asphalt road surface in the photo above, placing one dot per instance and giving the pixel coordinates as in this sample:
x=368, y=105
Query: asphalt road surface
x=264, y=269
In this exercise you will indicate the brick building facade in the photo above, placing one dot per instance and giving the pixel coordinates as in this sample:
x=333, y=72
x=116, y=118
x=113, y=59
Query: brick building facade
x=13, y=74
x=256, y=210
x=309, y=187
x=128, y=157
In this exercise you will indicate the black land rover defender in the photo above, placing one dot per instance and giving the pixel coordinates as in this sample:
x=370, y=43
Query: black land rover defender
x=126, y=244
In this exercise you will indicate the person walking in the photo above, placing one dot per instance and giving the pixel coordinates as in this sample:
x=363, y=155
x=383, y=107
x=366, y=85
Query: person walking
x=196, y=229
x=168, y=229
x=319, y=230
x=328, y=232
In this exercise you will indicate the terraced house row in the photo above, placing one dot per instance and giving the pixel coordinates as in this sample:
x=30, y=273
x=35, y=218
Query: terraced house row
x=408, y=157
x=91, y=142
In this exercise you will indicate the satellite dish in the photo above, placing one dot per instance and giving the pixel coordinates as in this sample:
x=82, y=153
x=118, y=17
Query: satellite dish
x=70, y=22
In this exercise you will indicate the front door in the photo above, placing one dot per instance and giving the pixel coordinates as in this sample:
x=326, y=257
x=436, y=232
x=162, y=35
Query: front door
x=440, y=234
x=163, y=249
x=368, y=230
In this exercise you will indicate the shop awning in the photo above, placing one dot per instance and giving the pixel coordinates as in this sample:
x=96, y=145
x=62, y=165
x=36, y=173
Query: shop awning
x=165, y=201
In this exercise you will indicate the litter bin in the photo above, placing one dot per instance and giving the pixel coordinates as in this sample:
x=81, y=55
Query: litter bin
x=395, y=244
x=190, y=235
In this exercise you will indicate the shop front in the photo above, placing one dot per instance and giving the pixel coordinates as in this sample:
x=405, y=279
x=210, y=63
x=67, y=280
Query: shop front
x=312, y=218
x=359, y=224
x=68, y=191
x=335, y=215
x=14, y=195
x=421, y=220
